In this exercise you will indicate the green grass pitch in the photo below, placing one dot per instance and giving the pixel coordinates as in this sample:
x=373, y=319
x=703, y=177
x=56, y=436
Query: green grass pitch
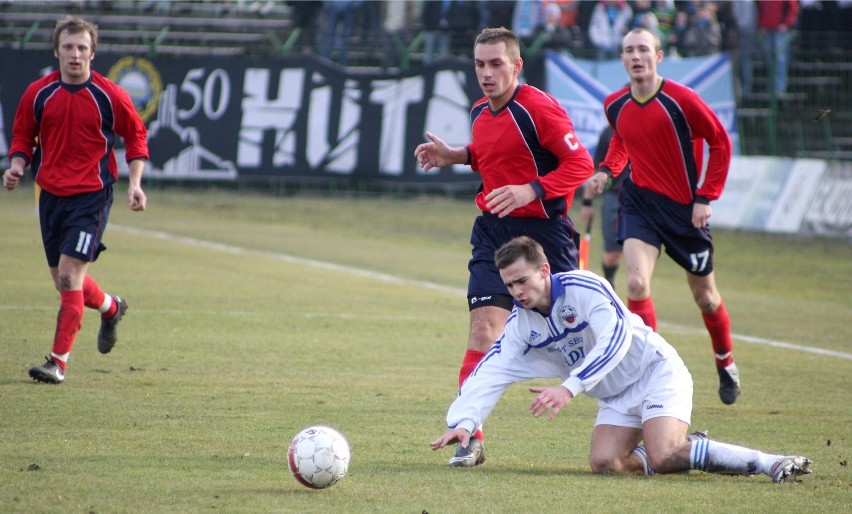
x=254, y=316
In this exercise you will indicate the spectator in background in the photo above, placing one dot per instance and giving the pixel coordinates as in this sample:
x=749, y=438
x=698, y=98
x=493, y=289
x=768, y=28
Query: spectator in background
x=397, y=18
x=305, y=15
x=339, y=25
x=610, y=22
x=775, y=19
x=676, y=40
x=568, y=11
x=529, y=16
x=500, y=12
x=560, y=28
x=644, y=16
x=664, y=12
x=704, y=35
x=446, y=22
x=436, y=26
x=745, y=12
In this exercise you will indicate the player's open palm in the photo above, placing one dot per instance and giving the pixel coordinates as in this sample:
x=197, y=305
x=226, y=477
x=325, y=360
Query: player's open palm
x=434, y=154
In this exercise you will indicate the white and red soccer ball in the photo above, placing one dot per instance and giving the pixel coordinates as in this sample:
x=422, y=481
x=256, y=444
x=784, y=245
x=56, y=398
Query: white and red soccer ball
x=318, y=457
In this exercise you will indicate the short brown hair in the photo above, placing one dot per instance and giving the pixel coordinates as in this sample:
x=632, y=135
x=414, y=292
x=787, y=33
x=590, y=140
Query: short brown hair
x=639, y=30
x=491, y=36
x=75, y=25
x=522, y=247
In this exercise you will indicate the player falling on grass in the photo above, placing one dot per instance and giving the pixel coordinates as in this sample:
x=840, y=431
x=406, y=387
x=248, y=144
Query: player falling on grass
x=572, y=326
x=660, y=127
x=531, y=162
x=65, y=128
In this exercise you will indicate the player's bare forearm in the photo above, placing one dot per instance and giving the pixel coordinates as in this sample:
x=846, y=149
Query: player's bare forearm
x=136, y=198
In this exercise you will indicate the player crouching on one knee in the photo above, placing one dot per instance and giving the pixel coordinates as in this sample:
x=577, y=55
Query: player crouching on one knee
x=572, y=326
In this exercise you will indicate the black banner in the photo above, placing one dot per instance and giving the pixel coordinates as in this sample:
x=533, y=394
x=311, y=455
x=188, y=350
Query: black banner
x=299, y=118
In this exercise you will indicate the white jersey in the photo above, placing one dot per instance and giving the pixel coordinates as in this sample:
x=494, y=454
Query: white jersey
x=589, y=340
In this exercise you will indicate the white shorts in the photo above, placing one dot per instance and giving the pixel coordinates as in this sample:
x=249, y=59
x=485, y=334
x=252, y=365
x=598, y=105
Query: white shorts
x=665, y=389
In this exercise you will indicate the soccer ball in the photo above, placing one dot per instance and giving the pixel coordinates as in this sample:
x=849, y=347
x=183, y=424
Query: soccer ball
x=318, y=457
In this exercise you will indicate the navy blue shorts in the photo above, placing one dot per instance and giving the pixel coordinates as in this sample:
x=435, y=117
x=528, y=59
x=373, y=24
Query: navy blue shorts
x=657, y=220
x=73, y=225
x=485, y=286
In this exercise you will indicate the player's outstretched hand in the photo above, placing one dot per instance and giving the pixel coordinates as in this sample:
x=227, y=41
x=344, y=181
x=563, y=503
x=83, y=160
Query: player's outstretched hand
x=549, y=399
x=434, y=154
x=12, y=177
x=450, y=436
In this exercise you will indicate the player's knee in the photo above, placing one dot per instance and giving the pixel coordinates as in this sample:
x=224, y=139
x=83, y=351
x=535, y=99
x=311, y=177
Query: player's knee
x=706, y=300
x=638, y=286
x=600, y=465
x=64, y=281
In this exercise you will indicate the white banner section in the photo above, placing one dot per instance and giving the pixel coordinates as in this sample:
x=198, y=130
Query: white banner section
x=787, y=196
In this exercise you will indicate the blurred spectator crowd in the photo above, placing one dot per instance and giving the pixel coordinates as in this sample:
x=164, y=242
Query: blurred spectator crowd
x=586, y=28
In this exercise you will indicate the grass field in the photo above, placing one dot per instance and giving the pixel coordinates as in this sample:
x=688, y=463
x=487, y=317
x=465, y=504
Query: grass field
x=254, y=316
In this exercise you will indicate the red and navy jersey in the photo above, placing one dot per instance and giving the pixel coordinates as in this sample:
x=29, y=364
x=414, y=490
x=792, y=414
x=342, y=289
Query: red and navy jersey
x=67, y=133
x=663, y=138
x=529, y=140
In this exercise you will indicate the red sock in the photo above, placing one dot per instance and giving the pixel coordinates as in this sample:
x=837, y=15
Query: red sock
x=471, y=359
x=719, y=325
x=94, y=297
x=67, y=325
x=644, y=308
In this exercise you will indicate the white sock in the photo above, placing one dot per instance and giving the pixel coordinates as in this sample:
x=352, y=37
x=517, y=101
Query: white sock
x=105, y=307
x=716, y=457
x=643, y=456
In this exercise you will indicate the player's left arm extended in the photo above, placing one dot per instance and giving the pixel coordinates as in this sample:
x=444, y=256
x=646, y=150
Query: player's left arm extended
x=136, y=198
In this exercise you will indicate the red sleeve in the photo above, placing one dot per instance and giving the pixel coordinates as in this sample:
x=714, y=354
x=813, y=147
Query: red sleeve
x=474, y=162
x=24, y=129
x=130, y=126
x=616, y=155
x=706, y=125
x=575, y=162
x=792, y=13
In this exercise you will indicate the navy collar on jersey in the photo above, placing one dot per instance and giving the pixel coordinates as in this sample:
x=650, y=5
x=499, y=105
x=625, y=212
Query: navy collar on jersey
x=497, y=111
x=75, y=87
